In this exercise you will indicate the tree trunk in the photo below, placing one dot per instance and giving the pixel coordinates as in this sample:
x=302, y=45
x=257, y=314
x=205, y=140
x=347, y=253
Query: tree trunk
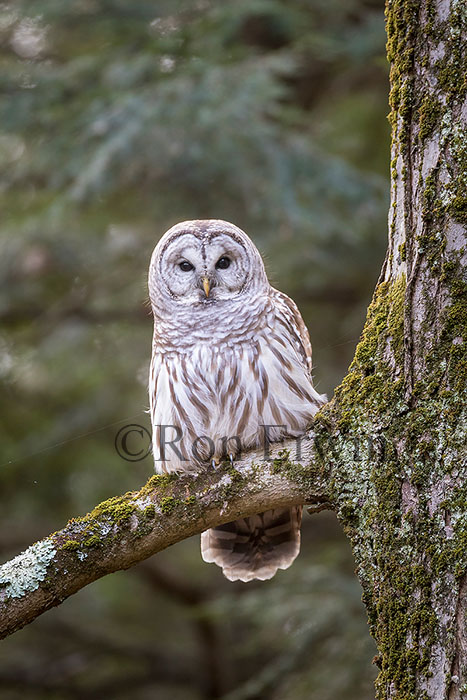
x=399, y=448
x=389, y=450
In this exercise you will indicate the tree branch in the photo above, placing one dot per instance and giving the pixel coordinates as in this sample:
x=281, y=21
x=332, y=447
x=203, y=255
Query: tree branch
x=127, y=529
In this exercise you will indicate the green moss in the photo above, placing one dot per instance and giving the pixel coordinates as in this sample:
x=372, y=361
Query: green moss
x=451, y=69
x=454, y=336
x=70, y=545
x=458, y=207
x=294, y=471
x=281, y=462
x=429, y=196
x=168, y=504
x=118, y=508
x=369, y=385
x=429, y=114
x=401, y=27
x=159, y=482
x=150, y=511
x=94, y=541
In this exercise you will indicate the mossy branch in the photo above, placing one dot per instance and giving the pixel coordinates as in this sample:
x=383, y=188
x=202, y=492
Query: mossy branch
x=127, y=529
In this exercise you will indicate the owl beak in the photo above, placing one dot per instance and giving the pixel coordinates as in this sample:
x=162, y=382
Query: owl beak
x=206, y=285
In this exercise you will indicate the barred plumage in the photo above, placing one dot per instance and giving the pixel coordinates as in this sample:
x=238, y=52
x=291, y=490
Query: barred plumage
x=230, y=354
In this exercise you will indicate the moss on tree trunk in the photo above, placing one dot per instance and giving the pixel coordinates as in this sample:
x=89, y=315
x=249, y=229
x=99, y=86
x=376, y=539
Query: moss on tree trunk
x=399, y=443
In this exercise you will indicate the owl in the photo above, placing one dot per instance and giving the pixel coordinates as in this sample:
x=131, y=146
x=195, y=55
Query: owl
x=230, y=355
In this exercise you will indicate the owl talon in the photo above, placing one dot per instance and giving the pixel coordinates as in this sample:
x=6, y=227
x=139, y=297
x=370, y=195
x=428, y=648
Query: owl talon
x=213, y=463
x=231, y=458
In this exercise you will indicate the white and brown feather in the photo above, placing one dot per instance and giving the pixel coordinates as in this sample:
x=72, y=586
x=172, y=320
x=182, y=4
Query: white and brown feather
x=223, y=369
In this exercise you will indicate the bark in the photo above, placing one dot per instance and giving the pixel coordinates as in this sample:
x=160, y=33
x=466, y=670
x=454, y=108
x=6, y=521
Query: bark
x=389, y=451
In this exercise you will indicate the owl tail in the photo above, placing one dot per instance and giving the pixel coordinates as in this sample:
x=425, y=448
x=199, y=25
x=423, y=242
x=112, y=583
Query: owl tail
x=254, y=547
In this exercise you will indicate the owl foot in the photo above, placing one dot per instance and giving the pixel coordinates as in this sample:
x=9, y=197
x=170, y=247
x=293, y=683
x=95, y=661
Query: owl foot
x=231, y=458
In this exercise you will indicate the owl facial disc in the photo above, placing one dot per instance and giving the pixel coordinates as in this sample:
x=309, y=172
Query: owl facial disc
x=204, y=262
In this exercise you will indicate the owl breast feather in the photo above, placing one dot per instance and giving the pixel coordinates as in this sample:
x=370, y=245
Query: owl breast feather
x=219, y=398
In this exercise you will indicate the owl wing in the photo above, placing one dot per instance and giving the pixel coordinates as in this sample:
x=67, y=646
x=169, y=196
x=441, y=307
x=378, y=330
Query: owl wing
x=290, y=314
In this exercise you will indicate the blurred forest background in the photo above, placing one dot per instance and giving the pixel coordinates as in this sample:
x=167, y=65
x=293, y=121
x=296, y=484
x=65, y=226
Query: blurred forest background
x=118, y=119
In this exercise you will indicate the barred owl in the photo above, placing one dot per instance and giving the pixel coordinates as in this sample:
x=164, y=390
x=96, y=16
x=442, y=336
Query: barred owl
x=230, y=354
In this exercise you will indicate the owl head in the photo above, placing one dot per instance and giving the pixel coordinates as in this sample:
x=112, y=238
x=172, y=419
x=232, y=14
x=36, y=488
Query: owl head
x=204, y=263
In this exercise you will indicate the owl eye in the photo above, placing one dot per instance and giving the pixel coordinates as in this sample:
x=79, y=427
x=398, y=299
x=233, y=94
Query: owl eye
x=223, y=263
x=185, y=266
